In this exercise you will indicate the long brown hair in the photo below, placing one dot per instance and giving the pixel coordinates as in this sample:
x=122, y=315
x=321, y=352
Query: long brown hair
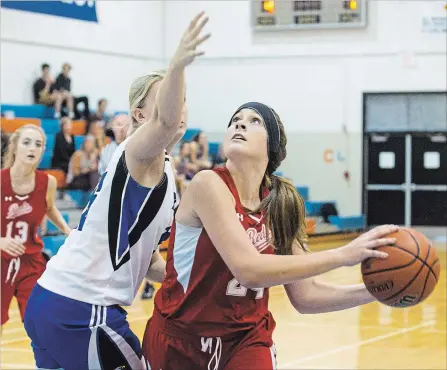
x=284, y=208
x=10, y=156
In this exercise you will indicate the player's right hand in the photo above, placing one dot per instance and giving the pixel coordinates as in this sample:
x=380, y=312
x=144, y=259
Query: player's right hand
x=12, y=247
x=362, y=247
x=186, y=51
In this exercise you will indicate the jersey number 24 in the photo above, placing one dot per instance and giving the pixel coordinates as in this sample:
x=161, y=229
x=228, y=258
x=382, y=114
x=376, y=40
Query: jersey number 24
x=234, y=288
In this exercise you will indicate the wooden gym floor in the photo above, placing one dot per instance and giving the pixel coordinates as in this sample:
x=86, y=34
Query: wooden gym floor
x=368, y=337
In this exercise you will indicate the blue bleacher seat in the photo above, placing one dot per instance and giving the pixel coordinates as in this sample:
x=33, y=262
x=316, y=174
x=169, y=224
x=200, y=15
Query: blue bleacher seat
x=313, y=208
x=50, y=126
x=45, y=163
x=51, y=244
x=348, y=222
x=190, y=133
x=303, y=191
x=78, y=140
x=51, y=229
x=29, y=111
x=80, y=197
x=213, y=148
x=278, y=173
x=119, y=112
x=51, y=139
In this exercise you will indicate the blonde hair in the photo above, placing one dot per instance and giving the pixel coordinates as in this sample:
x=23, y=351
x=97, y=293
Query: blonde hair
x=138, y=92
x=10, y=156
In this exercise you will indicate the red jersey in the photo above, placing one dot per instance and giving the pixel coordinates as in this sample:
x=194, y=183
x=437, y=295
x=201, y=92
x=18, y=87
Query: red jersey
x=200, y=294
x=23, y=214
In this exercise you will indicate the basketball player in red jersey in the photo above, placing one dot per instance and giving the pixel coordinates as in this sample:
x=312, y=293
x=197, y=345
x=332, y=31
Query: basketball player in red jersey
x=212, y=309
x=27, y=196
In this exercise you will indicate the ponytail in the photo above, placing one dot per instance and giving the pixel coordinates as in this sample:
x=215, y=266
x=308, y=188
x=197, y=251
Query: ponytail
x=285, y=214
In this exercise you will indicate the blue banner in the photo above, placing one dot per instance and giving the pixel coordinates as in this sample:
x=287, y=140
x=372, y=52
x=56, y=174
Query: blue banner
x=84, y=10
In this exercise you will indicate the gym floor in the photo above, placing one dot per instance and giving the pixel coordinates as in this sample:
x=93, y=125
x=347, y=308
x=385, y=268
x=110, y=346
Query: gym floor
x=373, y=336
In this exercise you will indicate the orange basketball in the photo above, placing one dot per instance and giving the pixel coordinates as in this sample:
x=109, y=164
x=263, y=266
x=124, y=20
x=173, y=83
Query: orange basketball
x=409, y=274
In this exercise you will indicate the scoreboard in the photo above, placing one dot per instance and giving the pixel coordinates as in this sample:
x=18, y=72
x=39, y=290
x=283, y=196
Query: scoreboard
x=272, y=15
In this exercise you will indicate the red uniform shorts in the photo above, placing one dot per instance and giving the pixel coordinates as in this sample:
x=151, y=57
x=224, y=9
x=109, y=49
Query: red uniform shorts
x=168, y=348
x=19, y=275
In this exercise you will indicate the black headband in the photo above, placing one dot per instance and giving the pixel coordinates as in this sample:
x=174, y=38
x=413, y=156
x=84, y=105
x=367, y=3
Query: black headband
x=272, y=127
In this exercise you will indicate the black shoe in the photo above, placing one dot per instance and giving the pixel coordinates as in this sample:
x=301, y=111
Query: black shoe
x=148, y=292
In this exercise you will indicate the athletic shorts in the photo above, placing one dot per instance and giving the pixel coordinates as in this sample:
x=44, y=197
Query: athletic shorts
x=19, y=276
x=74, y=335
x=168, y=348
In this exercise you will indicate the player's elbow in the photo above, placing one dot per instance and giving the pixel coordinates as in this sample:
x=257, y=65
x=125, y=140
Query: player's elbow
x=305, y=309
x=247, y=276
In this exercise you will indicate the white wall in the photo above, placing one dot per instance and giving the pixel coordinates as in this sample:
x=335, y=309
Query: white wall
x=105, y=56
x=314, y=79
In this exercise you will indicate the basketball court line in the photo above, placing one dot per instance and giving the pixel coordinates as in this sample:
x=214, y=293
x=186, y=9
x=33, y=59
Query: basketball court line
x=16, y=340
x=338, y=325
x=15, y=349
x=9, y=331
x=17, y=366
x=358, y=344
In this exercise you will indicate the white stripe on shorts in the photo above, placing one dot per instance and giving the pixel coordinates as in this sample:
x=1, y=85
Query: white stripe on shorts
x=273, y=353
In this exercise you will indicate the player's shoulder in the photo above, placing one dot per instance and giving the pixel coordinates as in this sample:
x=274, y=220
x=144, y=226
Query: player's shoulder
x=208, y=183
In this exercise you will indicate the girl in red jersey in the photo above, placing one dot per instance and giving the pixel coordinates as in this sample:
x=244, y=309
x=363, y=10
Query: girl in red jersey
x=27, y=196
x=238, y=230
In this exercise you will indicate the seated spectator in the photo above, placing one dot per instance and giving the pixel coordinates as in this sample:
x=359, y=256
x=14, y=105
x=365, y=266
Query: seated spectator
x=63, y=84
x=100, y=114
x=63, y=146
x=220, y=157
x=83, y=167
x=185, y=167
x=45, y=93
x=199, y=152
x=119, y=125
x=5, y=139
x=97, y=130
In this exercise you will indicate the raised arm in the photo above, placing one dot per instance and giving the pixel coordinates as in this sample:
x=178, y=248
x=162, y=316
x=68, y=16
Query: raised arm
x=168, y=99
x=209, y=202
x=310, y=296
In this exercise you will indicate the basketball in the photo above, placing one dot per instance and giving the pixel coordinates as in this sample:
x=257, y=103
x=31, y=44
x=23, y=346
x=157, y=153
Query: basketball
x=409, y=274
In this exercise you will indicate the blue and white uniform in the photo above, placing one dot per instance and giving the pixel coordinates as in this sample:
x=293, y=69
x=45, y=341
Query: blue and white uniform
x=73, y=315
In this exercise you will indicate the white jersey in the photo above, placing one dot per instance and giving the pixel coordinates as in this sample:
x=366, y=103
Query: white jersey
x=105, y=259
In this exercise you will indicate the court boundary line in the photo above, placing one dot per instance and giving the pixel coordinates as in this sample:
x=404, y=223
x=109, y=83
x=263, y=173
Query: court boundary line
x=16, y=349
x=17, y=366
x=357, y=344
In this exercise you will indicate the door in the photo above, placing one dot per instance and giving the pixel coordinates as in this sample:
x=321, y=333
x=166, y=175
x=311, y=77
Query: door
x=429, y=180
x=385, y=194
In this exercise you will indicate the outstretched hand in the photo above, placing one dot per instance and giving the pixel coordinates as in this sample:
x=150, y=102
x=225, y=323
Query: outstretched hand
x=186, y=51
x=362, y=247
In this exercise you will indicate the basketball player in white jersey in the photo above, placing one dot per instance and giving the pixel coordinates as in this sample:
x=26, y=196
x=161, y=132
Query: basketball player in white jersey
x=74, y=318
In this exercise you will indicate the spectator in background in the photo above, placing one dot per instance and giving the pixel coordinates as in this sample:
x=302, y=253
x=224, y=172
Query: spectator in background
x=5, y=139
x=119, y=125
x=220, y=157
x=186, y=168
x=63, y=84
x=83, y=167
x=64, y=146
x=96, y=128
x=100, y=114
x=46, y=94
x=199, y=152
